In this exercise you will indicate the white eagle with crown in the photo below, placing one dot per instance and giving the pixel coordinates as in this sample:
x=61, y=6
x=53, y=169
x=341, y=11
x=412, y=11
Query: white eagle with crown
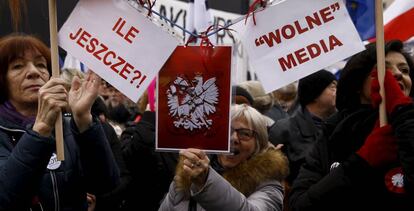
x=190, y=102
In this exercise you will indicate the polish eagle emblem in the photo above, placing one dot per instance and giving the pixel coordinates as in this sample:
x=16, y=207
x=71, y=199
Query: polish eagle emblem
x=190, y=102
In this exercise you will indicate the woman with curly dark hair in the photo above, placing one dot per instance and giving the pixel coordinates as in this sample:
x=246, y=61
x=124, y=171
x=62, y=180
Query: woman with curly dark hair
x=358, y=165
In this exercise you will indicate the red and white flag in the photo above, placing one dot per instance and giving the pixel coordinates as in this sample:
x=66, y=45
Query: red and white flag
x=398, y=18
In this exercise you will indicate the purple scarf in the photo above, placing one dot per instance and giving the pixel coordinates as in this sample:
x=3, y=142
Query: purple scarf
x=9, y=113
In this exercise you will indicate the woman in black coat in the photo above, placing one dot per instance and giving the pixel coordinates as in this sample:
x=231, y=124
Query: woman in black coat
x=31, y=178
x=358, y=165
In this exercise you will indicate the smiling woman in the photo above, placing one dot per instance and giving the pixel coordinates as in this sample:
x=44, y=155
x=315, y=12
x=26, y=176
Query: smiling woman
x=248, y=179
x=357, y=163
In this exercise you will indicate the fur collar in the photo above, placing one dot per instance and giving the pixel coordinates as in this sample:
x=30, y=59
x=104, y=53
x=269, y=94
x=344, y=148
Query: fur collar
x=271, y=164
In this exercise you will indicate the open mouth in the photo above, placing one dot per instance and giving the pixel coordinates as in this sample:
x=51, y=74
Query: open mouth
x=235, y=151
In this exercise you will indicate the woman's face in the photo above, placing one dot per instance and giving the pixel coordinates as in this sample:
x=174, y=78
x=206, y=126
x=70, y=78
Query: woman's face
x=25, y=76
x=397, y=64
x=243, y=140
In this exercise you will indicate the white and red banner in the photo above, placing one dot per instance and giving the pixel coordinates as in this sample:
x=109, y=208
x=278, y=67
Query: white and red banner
x=118, y=43
x=398, y=20
x=194, y=99
x=295, y=38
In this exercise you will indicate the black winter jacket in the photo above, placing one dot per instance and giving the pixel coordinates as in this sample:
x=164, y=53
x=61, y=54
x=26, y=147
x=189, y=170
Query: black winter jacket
x=322, y=184
x=151, y=171
x=26, y=179
x=298, y=134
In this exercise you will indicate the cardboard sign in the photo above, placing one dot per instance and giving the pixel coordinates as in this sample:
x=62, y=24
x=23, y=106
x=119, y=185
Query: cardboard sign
x=194, y=99
x=118, y=43
x=295, y=38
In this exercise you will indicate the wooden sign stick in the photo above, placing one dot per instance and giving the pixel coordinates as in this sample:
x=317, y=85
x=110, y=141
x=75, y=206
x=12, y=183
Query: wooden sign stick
x=379, y=25
x=55, y=74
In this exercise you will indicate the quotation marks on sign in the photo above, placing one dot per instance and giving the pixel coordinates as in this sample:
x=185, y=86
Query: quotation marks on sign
x=289, y=31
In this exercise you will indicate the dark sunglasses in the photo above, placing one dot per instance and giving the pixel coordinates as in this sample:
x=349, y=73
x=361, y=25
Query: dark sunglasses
x=243, y=133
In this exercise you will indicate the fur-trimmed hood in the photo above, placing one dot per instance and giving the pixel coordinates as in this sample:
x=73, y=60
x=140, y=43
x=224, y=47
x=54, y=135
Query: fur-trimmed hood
x=271, y=164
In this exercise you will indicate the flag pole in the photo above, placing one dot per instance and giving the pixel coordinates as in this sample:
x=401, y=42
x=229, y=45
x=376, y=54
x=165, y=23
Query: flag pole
x=55, y=74
x=379, y=25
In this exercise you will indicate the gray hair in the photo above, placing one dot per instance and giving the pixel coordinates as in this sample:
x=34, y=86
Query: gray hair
x=254, y=120
x=67, y=74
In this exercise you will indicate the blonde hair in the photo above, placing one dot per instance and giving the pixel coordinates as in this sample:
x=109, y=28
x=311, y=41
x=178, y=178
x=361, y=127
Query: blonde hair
x=254, y=120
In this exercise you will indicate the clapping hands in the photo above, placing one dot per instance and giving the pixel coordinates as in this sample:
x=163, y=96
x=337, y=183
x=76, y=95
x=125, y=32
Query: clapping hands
x=82, y=95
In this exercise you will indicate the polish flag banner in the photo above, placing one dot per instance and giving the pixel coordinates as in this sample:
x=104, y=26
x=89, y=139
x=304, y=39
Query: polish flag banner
x=117, y=42
x=398, y=20
x=193, y=104
x=295, y=38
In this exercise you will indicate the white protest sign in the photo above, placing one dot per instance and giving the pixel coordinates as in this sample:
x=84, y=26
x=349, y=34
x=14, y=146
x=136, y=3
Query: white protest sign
x=295, y=38
x=118, y=43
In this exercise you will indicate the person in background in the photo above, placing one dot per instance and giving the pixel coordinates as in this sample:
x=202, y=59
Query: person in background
x=30, y=175
x=151, y=171
x=261, y=101
x=247, y=179
x=241, y=96
x=316, y=95
x=113, y=199
x=358, y=164
x=118, y=113
x=285, y=103
x=298, y=133
x=286, y=98
x=104, y=90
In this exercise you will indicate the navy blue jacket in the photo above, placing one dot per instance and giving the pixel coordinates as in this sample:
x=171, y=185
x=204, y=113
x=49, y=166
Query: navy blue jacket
x=26, y=181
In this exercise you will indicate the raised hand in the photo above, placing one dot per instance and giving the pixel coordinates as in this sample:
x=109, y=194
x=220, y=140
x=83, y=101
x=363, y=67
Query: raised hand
x=196, y=164
x=394, y=96
x=380, y=147
x=52, y=99
x=82, y=95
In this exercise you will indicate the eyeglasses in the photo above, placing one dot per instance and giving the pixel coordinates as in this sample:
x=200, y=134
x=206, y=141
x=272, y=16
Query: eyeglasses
x=243, y=134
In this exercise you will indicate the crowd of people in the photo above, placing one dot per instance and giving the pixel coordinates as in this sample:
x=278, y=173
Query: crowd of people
x=316, y=144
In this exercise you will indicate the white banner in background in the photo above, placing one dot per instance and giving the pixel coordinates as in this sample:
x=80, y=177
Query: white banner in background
x=177, y=11
x=295, y=38
x=118, y=43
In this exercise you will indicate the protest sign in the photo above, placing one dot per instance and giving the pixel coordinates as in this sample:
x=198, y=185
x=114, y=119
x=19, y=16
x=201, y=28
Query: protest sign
x=194, y=99
x=295, y=38
x=118, y=43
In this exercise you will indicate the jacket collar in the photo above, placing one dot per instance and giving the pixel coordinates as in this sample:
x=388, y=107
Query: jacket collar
x=263, y=167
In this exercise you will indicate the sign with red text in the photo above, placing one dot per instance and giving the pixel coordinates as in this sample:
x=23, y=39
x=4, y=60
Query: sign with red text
x=295, y=38
x=118, y=43
x=193, y=101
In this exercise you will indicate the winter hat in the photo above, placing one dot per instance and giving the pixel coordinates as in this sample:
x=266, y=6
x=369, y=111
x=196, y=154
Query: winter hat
x=313, y=85
x=261, y=101
x=238, y=91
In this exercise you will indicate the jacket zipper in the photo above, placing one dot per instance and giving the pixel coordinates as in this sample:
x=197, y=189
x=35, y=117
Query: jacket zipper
x=55, y=190
x=12, y=130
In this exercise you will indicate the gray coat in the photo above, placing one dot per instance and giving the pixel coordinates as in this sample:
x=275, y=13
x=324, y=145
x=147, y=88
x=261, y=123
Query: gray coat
x=219, y=194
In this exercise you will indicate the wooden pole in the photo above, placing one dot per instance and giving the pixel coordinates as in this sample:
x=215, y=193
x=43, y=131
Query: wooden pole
x=379, y=25
x=55, y=74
